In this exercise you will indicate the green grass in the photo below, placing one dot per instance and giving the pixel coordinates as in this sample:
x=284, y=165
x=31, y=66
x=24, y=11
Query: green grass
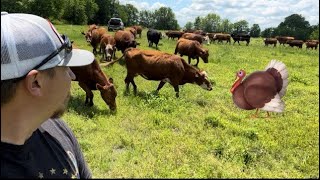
x=202, y=134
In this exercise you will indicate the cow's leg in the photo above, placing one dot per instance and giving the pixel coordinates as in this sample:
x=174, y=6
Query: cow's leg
x=161, y=84
x=189, y=59
x=127, y=80
x=134, y=87
x=89, y=94
x=176, y=89
x=197, y=61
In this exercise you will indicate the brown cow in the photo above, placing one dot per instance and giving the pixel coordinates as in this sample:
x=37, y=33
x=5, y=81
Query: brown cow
x=164, y=67
x=222, y=37
x=174, y=34
x=132, y=30
x=192, y=49
x=91, y=77
x=94, y=37
x=108, y=47
x=87, y=35
x=283, y=39
x=192, y=36
x=312, y=44
x=124, y=40
x=138, y=29
x=297, y=43
x=268, y=41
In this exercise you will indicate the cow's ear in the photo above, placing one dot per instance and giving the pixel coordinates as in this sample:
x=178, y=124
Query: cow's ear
x=99, y=87
x=111, y=80
x=83, y=33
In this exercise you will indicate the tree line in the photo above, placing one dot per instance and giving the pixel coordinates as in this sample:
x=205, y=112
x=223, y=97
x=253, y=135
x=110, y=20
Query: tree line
x=93, y=12
x=100, y=11
x=294, y=25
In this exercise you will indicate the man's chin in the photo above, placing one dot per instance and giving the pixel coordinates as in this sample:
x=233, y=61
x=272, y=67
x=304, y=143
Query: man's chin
x=58, y=113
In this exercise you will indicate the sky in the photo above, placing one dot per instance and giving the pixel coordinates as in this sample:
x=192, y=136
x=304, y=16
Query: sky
x=265, y=13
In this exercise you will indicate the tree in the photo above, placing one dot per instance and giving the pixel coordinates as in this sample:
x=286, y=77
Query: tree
x=91, y=8
x=165, y=19
x=211, y=22
x=75, y=12
x=268, y=32
x=189, y=25
x=132, y=15
x=197, y=23
x=225, y=26
x=255, y=30
x=241, y=26
x=315, y=32
x=16, y=6
x=146, y=19
x=295, y=25
x=51, y=9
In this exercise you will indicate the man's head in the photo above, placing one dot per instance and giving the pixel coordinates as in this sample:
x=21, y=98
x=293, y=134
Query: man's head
x=35, y=62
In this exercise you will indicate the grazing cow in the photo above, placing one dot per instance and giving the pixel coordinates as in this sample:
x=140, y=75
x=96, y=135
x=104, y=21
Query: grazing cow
x=108, y=47
x=192, y=49
x=211, y=36
x=138, y=29
x=132, y=30
x=124, y=40
x=94, y=37
x=297, y=43
x=241, y=37
x=174, y=34
x=312, y=44
x=201, y=32
x=222, y=37
x=91, y=77
x=268, y=41
x=283, y=39
x=87, y=35
x=192, y=36
x=164, y=67
x=153, y=37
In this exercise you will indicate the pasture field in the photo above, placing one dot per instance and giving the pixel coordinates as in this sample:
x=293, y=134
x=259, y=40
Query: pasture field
x=201, y=134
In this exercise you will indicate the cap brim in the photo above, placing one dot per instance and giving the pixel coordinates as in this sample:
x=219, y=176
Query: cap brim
x=78, y=57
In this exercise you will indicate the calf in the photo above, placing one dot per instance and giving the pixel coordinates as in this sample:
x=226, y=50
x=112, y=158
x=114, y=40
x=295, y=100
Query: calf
x=138, y=29
x=268, y=41
x=132, y=30
x=153, y=37
x=174, y=34
x=192, y=49
x=163, y=67
x=312, y=44
x=91, y=77
x=108, y=47
x=297, y=43
x=124, y=40
x=222, y=37
x=94, y=37
x=283, y=39
x=241, y=37
x=192, y=36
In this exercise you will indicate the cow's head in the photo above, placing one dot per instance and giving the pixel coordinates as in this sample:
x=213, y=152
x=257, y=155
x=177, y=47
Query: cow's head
x=201, y=79
x=87, y=35
x=204, y=54
x=109, y=50
x=108, y=93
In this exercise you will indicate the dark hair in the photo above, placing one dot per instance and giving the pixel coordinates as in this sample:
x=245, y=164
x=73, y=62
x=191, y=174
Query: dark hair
x=9, y=87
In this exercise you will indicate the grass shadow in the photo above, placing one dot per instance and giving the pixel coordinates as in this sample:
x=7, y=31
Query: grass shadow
x=76, y=104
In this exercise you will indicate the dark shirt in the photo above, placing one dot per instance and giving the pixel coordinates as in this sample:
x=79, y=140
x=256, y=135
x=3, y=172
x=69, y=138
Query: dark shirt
x=51, y=152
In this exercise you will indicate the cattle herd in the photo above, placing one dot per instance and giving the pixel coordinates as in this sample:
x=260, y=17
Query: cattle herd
x=154, y=64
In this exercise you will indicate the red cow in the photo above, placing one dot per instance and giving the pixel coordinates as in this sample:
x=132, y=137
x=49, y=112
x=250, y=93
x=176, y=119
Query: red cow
x=164, y=67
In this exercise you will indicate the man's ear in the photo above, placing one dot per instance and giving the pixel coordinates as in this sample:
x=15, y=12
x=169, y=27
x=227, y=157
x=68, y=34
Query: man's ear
x=33, y=83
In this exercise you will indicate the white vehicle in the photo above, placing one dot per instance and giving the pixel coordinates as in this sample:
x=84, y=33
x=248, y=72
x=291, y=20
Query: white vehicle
x=115, y=24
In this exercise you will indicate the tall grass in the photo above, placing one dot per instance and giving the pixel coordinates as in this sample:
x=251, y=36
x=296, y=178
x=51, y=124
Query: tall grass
x=202, y=134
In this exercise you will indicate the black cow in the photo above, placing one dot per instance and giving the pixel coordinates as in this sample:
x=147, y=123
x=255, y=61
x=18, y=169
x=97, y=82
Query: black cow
x=241, y=37
x=153, y=37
